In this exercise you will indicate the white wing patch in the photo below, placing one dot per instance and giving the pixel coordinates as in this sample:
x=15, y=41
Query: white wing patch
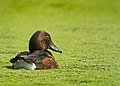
x=22, y=64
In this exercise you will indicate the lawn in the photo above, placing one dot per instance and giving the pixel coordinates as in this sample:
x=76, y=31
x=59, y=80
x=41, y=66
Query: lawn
x=87, y=31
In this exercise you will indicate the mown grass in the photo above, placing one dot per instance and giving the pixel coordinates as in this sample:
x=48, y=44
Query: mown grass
x=87, y=31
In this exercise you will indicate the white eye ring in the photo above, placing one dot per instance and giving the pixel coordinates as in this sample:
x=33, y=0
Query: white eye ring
x=47, y=36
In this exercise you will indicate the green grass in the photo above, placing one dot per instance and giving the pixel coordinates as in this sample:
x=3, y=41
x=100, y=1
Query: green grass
x=87, y=31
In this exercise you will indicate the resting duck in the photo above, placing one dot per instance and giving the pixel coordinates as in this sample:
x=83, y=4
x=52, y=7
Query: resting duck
x=32, y=61
x=41, y=40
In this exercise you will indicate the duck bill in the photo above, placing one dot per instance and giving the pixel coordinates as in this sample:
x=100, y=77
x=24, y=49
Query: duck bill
x=54, y=48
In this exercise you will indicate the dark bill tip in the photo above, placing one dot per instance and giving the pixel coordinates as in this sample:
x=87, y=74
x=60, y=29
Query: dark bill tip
x=54, y=48
x=60, y=51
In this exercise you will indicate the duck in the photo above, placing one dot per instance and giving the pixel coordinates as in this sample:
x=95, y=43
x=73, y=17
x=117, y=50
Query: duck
x=41, y=40
x=34, y=61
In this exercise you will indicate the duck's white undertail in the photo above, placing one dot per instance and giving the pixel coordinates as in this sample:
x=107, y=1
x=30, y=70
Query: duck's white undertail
x=22, y=64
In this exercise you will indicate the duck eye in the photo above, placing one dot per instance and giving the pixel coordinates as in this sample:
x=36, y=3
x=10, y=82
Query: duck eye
x=47, y=36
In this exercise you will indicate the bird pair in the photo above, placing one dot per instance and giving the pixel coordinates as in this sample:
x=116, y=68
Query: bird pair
x=38, y=56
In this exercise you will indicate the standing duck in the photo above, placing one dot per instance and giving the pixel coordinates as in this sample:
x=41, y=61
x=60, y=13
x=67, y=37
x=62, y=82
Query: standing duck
x=33, y=61
x=41, y=40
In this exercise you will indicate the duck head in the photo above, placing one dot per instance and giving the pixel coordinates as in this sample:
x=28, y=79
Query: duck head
x=41, y=40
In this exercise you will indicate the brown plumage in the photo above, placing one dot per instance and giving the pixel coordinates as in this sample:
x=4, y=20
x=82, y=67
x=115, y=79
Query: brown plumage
x=41, y=59
x=41, y=40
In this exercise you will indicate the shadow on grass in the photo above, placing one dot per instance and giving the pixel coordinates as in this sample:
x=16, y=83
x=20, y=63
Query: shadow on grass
x=8, y=67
